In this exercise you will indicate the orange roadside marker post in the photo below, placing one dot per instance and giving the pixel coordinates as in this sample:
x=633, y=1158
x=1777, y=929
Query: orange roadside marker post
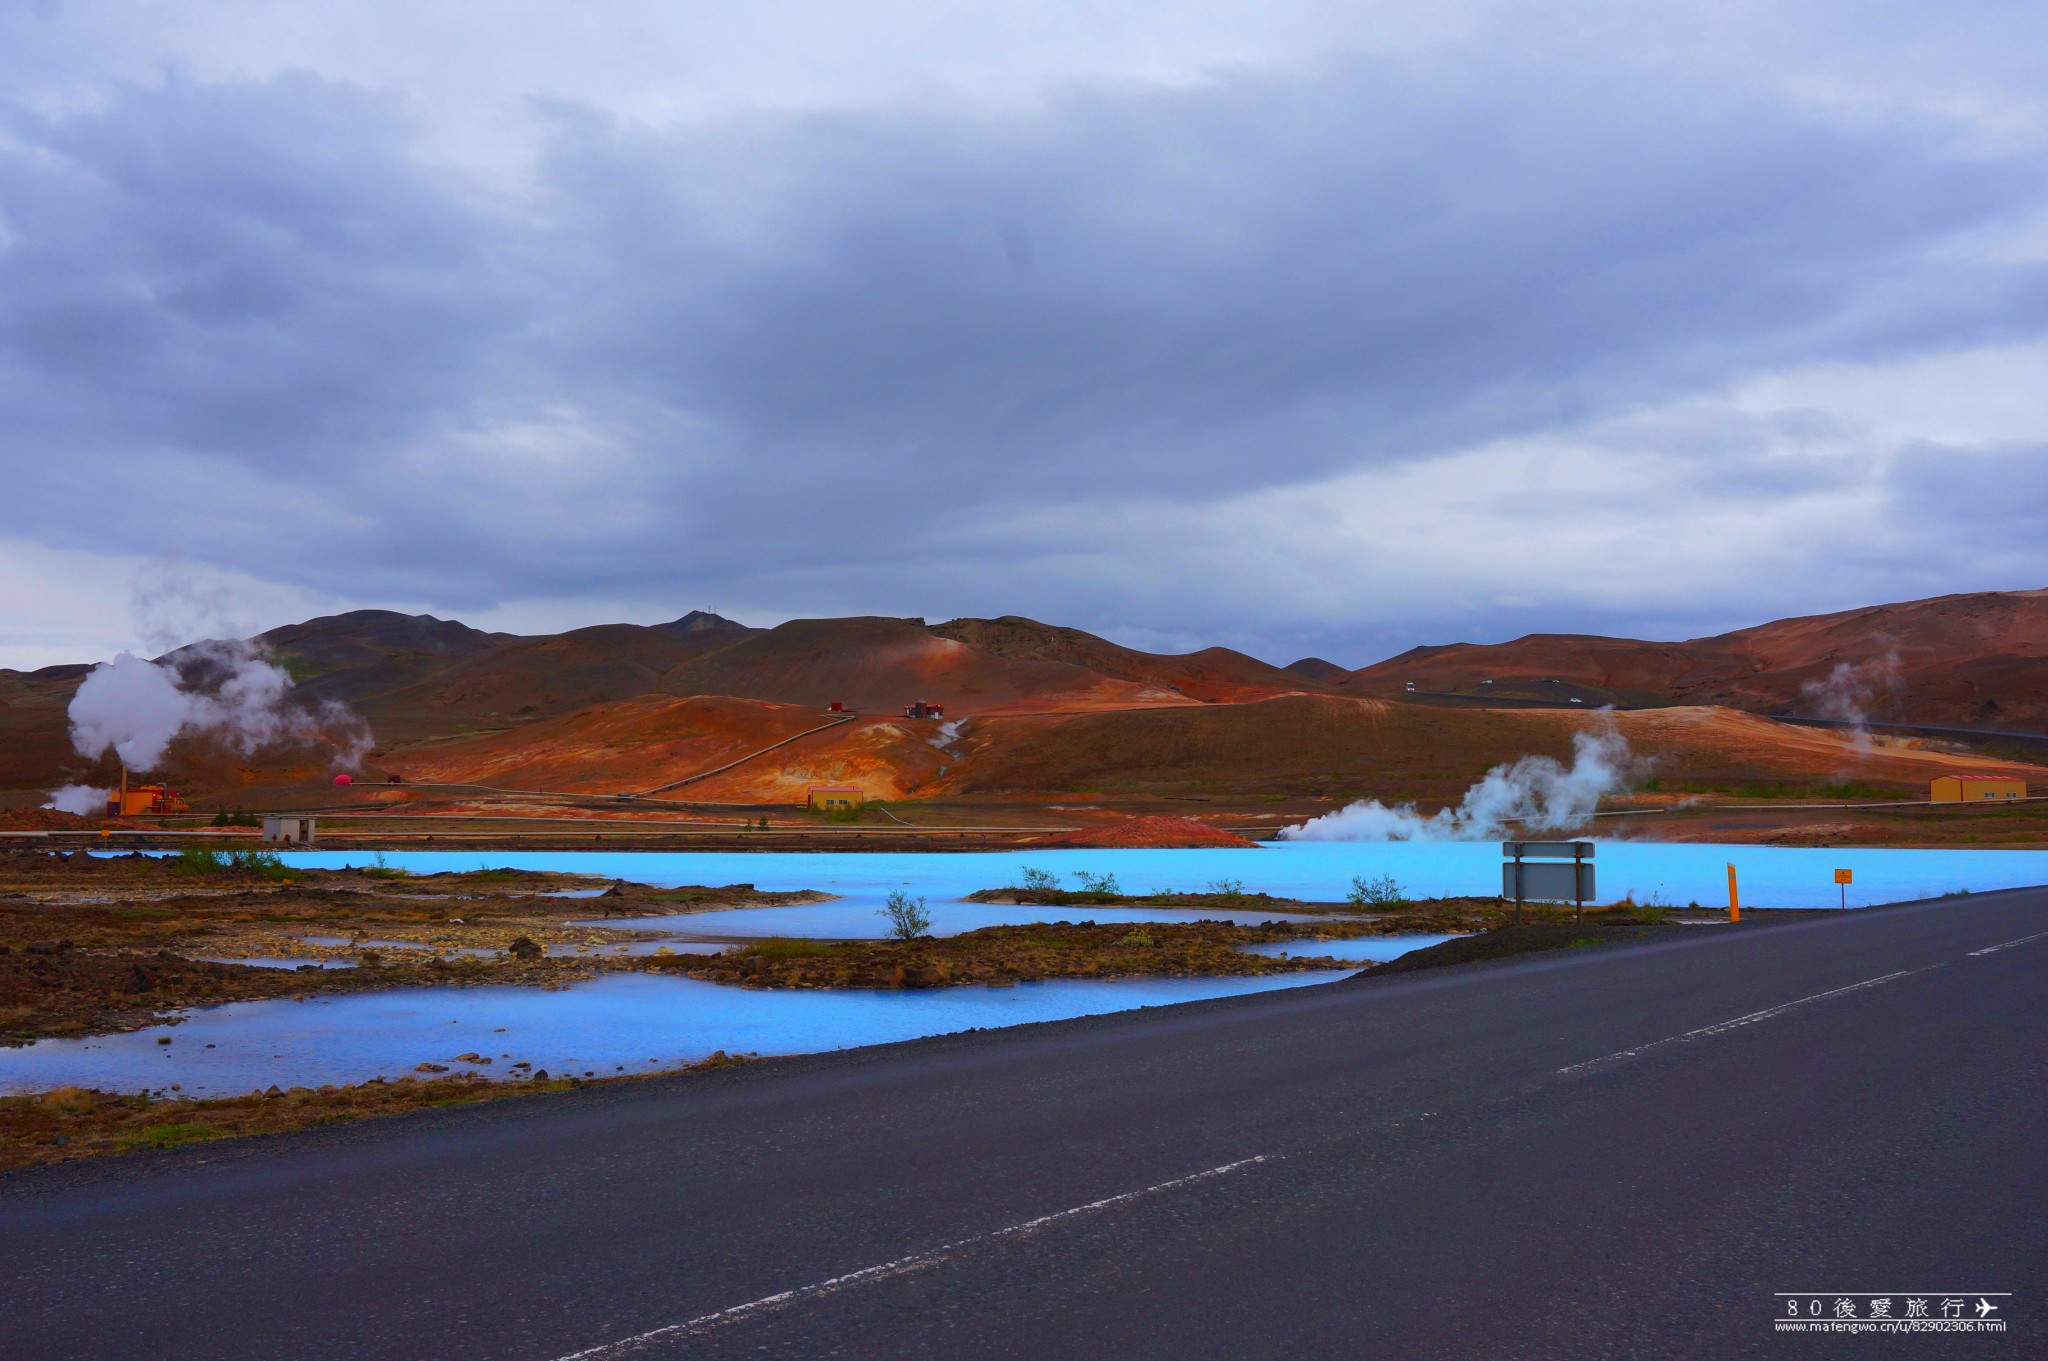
x=1734, y=900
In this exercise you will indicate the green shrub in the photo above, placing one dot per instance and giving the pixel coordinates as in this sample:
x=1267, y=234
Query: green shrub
x=907, y=918
x=1385, y=891
x=1226, y=888
x=1098, y=883
x=1038, y=881
x=170, y=1136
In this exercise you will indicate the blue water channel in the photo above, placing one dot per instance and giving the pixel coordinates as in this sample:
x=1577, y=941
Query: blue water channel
x=1672, y=873
x=1360, y=949
x=620, y=1023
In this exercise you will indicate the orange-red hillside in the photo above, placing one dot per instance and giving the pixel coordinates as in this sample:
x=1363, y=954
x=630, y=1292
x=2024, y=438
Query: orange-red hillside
x=1343, y=747
x=621, y=747
x=1978, y=660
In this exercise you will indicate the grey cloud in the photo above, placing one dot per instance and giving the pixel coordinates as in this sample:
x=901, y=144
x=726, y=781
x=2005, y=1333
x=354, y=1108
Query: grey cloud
x=860, y=360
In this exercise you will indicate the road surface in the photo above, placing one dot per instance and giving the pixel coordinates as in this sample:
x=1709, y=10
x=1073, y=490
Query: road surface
x=1616, y=1152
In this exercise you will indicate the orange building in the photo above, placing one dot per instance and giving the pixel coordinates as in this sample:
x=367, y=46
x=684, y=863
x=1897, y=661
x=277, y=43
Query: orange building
x=144, y=800
x=834, y=798
x=1975, y=788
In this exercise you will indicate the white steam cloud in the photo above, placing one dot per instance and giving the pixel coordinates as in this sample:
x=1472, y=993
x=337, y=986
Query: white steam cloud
x=1535, y=794
x=224, y=691
x=82, y=799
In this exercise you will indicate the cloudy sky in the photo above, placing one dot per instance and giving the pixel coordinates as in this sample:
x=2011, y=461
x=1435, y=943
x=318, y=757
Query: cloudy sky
x=1306, y=328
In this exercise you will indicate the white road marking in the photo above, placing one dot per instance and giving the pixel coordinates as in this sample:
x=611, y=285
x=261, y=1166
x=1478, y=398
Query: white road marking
x=1994, y=949
x=1723, y=1027
x=915, y=1261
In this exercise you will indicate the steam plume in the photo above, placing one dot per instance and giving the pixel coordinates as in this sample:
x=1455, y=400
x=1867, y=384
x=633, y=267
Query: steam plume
x=224, y=691
x=1849, y=693
x=82, y=799
x=1536, y=793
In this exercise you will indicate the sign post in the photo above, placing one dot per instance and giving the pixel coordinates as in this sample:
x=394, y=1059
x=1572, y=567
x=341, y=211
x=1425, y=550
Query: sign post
x=1734, y=900
x=1845, y=878
x=1518, y=882
x=1579, y=849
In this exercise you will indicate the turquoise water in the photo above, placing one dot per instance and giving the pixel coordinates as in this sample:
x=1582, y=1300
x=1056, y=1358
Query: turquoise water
x=1362, y=949
x=1673, y=873
x=620, y=1023
x=859, y=915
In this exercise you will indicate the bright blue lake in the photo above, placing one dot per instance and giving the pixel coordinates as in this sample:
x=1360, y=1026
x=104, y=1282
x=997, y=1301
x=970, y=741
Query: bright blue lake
x=621, y=1022
x=1362, y=949
x=1673, y=873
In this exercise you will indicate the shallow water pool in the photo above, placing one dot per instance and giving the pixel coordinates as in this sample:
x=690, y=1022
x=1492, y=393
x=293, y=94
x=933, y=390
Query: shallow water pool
x=1361, y=949
x=851, y=920
x=636, y=1023
x=1674, y=873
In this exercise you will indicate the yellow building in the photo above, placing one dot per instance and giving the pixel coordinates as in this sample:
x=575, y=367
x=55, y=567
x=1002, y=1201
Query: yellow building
x=144, y=800
x=1975, y=788
x=834, y=798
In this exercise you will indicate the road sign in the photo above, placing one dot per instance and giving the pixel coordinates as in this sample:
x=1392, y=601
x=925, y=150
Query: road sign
x=1547, y=881
x=1527, y=875
x=1845, y=876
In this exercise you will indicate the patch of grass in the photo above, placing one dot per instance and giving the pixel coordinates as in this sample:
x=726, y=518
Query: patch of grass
x=787, y=947
x=381, y=869
x=1583, y=940
x=169, y=1136
x=206, y=860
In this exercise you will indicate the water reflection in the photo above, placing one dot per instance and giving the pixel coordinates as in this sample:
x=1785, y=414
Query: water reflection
x=1371, y=949
x=618, y=1023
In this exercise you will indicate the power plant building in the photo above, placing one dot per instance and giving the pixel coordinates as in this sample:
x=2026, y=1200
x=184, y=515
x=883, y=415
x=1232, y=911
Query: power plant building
x=144, y=800
x=1975, y=788
x=834, y=798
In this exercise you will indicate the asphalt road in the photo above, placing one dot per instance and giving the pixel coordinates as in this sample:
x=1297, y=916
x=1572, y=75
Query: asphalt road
x=1616, y=1152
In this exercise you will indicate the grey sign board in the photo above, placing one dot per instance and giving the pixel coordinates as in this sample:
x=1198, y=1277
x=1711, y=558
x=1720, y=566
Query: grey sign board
x=1540, y=881
x=1547, y=850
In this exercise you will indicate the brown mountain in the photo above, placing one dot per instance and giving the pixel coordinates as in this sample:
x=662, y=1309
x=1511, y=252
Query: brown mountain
x=1316, y=669
x=1977, y=661
x=1215, y=674
x=460, y=703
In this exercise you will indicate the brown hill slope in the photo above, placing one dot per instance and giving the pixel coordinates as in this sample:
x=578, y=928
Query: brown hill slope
x=1215, y=674
x=1316, y=669
x=1312, y=744
x=877, y=665
x=613, y=748
x=1978, y=660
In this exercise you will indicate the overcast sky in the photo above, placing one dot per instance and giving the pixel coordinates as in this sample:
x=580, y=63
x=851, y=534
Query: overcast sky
x=1305, y=328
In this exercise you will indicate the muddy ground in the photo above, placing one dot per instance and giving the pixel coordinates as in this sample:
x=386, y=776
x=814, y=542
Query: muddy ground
x=71, y=1123
x=1018, y=954
x=91, y=945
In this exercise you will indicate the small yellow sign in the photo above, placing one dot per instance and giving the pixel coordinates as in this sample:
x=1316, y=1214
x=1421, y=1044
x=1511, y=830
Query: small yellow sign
x=1845, y=876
